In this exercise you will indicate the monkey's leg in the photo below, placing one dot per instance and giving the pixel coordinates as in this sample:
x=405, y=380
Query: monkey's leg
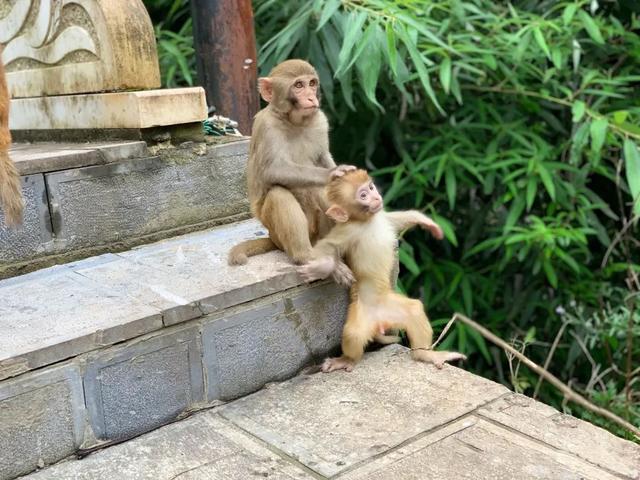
x=287, y=224
x=420, y=334
x=386, y=339
x=354, y=338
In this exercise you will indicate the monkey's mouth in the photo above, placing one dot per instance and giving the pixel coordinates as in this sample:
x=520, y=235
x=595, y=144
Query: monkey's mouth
x=376, y=208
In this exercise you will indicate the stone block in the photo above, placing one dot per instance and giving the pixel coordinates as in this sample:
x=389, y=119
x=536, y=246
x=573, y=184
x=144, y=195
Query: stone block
x=104, y=204
x=120, y=110
x=33, y=237
x=203, y=447
x=54, y=314
x=61, y=48
x=136, y=387
x=331, y=422
x=566, y=433
x=42, y=419
x=271, y=340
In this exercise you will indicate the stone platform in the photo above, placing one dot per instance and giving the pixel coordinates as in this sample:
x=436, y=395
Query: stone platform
x=391, y=418
x=112, y=346
x=87, y=198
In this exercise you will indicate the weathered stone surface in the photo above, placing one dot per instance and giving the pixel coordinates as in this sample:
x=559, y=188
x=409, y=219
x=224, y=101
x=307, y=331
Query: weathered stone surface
x=566, y=433
x=59, y=48
x=474, y=449
x=188, y=276
x=200, y=448
x=136, y=387
x=48, y=157
x=64, y=311
x=141, y=109
x=55, y=314
x=269, y=342
x=332, y=422
x=33, y=237
x=104, y=204
x=41, y=420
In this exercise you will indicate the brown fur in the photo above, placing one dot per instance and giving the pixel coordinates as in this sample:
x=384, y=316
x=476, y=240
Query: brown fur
x=10, y=188
x=368, y=246
x=289, y=165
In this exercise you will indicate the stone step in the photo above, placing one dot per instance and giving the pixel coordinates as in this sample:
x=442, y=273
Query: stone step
x=87, y=198
x=106, y=348
x=391, y=418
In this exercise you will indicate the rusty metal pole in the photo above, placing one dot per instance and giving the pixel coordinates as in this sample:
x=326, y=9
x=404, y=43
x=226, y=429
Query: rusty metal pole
x=226, y=57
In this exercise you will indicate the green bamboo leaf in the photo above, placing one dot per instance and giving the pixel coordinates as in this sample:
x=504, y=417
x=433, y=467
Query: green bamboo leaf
x=522, y=46
x=556, y=58
x=407, y=260
x=467, y=295
x=591, y=27
x=550, y=272
x=455, y=87
x=392, y=51
x=445, y=74
x=354, y=31
x=598, y=133
x=481, y=344
x=450, y=183
x=517, y=207
x=542, y=43
x=620, y=116
x=569, y=12
x=547, y=181
x=578, y=109
x=418, y=62
x=632, y=169
x=369, y=67
x=532, y=189
x=447, y=228
x=329, y=9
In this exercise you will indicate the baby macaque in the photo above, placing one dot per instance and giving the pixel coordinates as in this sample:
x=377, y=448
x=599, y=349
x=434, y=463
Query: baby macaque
x=365, y=236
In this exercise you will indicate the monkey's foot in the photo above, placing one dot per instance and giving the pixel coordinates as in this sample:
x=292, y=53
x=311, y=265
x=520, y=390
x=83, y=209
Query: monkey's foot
x=337, y=363
x=343, y=275
x=386, y=339
x=437, y=358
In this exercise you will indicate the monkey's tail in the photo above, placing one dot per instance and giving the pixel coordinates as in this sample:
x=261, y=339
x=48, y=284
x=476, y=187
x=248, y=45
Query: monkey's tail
x=10, y=190
x=240, y=253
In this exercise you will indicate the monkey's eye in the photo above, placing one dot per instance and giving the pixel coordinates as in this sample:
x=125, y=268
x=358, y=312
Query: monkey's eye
x=298, y=84
x=371, y=187
x=363, y=196
x=313, y=82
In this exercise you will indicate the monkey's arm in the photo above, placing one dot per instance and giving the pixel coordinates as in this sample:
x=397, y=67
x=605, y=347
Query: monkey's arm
x=291, y=175
x=409, y=218
x=327, y=261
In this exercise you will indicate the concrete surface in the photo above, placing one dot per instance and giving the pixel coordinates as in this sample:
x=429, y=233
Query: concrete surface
x=391, y=418
x=110, y=347
x=85, y=199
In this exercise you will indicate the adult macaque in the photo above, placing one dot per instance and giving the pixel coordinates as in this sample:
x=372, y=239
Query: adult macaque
x=365, y=236
x=10, y=190
x=289, y=166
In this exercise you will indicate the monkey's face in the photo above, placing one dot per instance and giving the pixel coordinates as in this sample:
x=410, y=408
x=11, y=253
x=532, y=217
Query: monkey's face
x=368, y=198
x=303, y=95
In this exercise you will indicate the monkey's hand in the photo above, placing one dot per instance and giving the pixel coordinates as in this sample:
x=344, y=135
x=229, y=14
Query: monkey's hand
x=317, y=269
x=433, y=227
x=342, y=274
x=340, y=170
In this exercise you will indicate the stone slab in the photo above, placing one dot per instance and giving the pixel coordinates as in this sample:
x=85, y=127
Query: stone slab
x=333, y=422
x=34, y=236
x=272, y=340
x=48, y=157
x=199, y=448
x=473, y=449
x=181, y=186
x=566, y=433
x=55, y=314
x=136, y=387
x=64, y=311
x=41, y=419
x=120, y=110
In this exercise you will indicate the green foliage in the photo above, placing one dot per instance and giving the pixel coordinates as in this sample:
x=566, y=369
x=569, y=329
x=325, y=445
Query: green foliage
x=516, y=126
x=174, y=36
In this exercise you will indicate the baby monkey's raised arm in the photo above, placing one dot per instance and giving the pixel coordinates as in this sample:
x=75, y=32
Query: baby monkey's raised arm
x=365, y=236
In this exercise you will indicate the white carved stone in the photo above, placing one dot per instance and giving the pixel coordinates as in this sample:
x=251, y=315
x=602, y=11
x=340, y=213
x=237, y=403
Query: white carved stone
x=61, y=47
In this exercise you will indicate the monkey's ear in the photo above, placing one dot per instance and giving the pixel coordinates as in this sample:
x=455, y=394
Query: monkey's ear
x=265, y=87
x=337, y=213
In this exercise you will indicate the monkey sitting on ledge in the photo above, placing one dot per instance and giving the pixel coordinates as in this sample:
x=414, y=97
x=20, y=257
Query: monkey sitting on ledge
x=365, y=235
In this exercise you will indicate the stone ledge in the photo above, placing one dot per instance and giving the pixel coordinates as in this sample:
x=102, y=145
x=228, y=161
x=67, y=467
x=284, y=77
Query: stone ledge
x=64, y=311
x=122, y=110
x=391, y=418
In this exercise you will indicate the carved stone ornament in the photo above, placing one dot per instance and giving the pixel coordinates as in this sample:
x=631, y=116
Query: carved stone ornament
x=59, y=47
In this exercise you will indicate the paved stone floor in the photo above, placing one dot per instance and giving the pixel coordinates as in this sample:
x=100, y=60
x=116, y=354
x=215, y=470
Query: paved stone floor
x=391, y=418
